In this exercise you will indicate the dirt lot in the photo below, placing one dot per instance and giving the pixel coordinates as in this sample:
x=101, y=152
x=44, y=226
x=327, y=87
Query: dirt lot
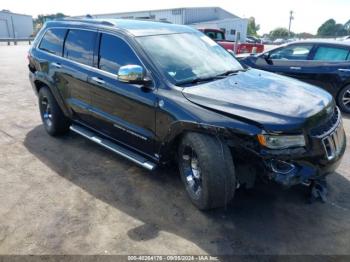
x=69, y=196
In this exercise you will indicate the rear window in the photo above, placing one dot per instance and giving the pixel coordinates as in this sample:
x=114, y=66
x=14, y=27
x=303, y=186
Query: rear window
x=325, y=53
x=79, y=46
x=52, y=41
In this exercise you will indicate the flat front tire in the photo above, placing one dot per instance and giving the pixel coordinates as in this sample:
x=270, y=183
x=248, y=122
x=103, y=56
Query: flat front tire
x=207, y=170
x=55, y=122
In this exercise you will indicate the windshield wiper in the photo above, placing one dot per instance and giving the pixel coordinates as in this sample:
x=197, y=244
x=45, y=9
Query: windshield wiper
x=198, y=80
x=207, y=79
x=229, y=72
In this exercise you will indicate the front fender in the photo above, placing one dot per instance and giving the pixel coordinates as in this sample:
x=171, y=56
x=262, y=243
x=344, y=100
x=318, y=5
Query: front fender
x=178, y=128
x=235, y=133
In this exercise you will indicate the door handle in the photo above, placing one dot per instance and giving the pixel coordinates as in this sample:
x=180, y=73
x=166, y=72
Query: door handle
x=295, y=68
x=98, y=80
x=57, y=65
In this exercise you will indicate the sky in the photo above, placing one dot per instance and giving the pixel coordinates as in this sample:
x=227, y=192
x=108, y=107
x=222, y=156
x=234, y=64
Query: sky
x=308, y=14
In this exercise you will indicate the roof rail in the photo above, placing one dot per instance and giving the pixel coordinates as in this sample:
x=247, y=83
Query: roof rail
x=87, y=20
x=152, y=20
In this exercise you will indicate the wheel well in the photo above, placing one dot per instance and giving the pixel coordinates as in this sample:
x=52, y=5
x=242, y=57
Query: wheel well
x=340, y=89
x=39, y=85
x=174, y=144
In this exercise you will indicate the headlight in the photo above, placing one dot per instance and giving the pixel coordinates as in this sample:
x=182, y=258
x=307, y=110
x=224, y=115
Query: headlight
x=281, y=141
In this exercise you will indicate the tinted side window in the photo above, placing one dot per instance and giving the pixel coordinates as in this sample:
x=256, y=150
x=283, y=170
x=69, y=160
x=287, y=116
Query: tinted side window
x=326, y=53
x=79, y=46
x=292, y=52
x=114, y=53
x=52, y=41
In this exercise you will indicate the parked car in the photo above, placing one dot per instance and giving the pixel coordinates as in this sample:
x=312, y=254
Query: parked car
x=279, y=41
x=347, y=39
x=219, y=36
x=253, y=39
x=325, y=64
x=266, y=41
x=127, y=86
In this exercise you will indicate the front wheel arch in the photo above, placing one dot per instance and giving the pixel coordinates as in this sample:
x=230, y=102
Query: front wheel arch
x=180, y=128
x=339, y=98
x=215, y=178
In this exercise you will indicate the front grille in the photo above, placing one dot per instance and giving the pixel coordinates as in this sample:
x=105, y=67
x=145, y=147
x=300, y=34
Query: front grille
x=332, y=135
x=324, y=128
x=333, y=142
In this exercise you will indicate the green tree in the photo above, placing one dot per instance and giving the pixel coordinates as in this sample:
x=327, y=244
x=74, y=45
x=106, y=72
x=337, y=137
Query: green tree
x=253, y=28
x=339, y=30
x=304, y=35
x=280, y=32
x=331, y=28
x=327, y=28
x=41, y=19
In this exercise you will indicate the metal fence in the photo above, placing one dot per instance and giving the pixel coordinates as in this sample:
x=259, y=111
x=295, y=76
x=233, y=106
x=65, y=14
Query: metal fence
x=16, y=40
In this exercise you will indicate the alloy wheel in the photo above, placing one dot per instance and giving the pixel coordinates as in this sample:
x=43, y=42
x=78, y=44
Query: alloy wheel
x=346, y=99
x=46, y=112
x=192, y=171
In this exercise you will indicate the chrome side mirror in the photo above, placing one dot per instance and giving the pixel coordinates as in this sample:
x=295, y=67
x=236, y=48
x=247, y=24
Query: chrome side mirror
x=133, y=74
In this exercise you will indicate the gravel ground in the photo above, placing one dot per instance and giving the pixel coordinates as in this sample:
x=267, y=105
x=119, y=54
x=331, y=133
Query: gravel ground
x=70, y=196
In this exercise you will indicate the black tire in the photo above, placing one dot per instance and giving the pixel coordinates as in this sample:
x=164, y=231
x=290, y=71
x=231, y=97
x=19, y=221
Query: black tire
x=217, y=180
x=55, y=122
x=343, y=99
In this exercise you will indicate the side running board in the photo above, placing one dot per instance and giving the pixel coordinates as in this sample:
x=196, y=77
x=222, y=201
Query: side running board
x=120, y=150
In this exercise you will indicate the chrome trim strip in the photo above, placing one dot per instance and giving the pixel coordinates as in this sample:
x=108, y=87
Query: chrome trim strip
x=333, y=143
x=335, y=126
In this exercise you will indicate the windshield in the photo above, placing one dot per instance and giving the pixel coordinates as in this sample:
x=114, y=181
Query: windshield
x=215, y=35
x=188, y=56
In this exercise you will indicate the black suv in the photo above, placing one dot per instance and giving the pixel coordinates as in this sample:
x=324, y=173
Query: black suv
x=155, y=92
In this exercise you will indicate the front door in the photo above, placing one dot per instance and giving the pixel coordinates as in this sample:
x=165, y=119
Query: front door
x=123, y=111
x=291, y=60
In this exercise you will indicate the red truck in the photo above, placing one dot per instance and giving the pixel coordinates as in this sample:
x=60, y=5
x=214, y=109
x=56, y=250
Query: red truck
x=219, y=36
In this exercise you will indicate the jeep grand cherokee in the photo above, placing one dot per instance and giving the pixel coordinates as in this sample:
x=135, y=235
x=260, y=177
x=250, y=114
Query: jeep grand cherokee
x=155, y=92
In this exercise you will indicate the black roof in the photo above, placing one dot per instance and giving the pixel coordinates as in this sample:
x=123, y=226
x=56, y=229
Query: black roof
x=134, y=27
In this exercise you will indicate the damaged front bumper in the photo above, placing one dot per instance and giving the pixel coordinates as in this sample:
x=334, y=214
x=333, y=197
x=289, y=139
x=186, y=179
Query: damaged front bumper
x=289, y=173
x=290, y=169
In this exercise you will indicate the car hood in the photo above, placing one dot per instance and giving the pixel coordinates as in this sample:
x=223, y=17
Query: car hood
x=273, y=102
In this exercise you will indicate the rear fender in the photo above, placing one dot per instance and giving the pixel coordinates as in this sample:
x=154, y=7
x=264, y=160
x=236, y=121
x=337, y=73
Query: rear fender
x=40, y=81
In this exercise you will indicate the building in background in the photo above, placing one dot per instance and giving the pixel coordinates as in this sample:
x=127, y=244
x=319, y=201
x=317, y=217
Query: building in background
x=198, y=17
x=14, y=25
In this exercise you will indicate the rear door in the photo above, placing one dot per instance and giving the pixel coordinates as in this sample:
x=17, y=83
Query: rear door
x=47, y=59
x=330, y=67
x=74, y=70
x=123, y=111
